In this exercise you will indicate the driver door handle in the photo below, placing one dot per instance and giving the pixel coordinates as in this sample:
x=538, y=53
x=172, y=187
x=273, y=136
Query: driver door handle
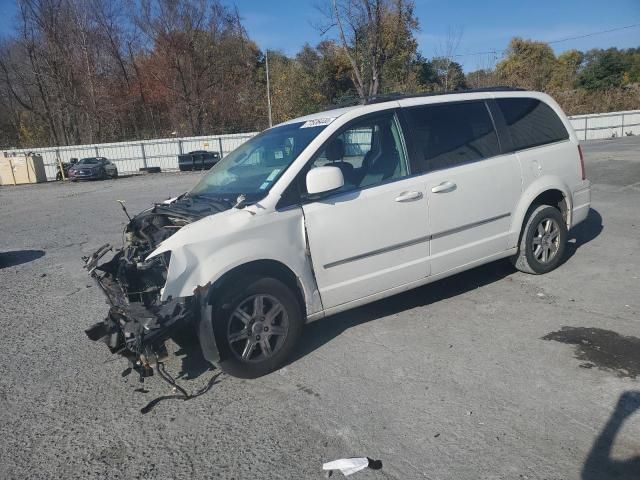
x=444, y=187
x=409, y=196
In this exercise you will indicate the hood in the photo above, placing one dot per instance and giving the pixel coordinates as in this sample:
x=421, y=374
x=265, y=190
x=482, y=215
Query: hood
x=207, y=228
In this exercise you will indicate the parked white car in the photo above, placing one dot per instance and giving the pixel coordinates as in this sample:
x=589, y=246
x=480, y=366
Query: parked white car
x=327, y=212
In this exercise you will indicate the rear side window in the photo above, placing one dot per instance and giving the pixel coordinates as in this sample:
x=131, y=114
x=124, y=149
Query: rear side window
x=450, y=134
x=531, y=123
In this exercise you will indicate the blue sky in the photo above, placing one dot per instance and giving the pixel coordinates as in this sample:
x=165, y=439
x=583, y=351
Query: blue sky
x=484, y=24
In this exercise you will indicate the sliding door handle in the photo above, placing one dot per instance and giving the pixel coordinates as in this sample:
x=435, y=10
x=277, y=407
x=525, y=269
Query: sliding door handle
x=444, y=187
x=409, y=196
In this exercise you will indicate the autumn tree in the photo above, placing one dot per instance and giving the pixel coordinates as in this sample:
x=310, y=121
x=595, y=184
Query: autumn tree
x=294, y=90
x=528, y=64
x=481, y=78
x=199, y=47
x=92, y=71
x=373, y=34
x=565, y=71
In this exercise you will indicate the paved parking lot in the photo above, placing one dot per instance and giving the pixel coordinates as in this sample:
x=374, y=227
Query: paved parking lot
x=450, y=381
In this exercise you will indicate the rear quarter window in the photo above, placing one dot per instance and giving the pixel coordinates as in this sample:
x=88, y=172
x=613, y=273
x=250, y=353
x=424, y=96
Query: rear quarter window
x=531, y=123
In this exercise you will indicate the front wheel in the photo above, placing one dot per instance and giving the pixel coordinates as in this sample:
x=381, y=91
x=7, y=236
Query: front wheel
x=542, y=241
x=257, y=325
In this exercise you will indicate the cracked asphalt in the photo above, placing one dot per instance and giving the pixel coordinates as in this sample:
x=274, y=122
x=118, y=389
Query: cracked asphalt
x=449, y=381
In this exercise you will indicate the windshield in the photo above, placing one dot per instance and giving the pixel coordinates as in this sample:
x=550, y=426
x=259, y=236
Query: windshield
x=255, y=165
x=87, y=161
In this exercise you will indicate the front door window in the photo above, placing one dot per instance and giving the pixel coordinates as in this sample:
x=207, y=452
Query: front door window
x=369, y=153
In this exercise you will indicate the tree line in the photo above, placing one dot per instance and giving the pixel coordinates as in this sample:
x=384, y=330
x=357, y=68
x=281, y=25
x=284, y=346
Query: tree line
x=93, y=71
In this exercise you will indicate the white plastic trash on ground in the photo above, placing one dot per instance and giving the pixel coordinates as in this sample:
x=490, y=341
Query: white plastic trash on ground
x=352, y=465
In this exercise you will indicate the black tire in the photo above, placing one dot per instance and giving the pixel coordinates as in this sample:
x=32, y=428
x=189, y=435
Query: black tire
x=224, y=322
x=530, y=257
x=115, y=174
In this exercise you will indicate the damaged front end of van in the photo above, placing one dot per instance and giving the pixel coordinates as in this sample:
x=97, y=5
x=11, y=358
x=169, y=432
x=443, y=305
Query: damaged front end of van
x=140, y=320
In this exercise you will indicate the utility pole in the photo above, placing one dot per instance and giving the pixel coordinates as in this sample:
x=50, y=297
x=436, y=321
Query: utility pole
x=268, y=88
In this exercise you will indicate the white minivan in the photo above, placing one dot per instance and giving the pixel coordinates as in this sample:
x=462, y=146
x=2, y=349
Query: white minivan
x=337, y=209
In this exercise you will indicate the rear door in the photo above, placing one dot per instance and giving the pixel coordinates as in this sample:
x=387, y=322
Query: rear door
x=373, y=234
x=471, y=186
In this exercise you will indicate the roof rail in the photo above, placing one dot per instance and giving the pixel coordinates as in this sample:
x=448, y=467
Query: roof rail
x=353, y=101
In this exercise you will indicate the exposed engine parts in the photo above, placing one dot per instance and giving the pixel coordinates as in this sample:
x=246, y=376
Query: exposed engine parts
x=138, y=322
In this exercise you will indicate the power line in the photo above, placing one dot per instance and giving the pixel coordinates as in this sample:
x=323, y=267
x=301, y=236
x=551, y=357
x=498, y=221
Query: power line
x=594, y=33
x=495, y=52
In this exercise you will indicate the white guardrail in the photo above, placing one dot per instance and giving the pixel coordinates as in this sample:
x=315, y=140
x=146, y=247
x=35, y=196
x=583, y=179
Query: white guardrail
x=606, y=125
x=129, y=157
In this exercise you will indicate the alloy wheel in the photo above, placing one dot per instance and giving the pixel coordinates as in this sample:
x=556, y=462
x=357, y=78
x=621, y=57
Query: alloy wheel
x=258, y=328
x=546, y=240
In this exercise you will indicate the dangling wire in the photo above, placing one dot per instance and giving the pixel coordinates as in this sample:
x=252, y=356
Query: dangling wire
x=166, y=377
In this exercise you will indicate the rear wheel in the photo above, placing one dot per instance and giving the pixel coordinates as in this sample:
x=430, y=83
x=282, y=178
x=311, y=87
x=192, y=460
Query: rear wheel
x=542, y=241
x=257, y=325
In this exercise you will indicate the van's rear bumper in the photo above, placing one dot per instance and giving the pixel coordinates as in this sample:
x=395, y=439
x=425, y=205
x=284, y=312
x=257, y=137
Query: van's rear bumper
x=581, y=203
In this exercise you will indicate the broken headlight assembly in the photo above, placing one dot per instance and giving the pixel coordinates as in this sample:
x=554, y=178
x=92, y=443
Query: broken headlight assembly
x=139, y=322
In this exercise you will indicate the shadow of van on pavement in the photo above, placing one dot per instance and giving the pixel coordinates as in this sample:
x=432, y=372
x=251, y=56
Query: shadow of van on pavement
x=583, y=233
x=318, y=333
x=599, y=464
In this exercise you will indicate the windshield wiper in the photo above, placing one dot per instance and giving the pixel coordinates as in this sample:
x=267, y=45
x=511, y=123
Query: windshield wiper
x=241, y=201
x=220, y=202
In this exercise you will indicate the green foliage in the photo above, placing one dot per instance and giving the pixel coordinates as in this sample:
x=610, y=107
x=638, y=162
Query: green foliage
x=595, y=81
x=529, y=64
x=609, y=68
x=565, y=71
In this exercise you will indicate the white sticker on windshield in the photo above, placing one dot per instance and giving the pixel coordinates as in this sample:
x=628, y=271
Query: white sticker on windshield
x=273, y=174
x=317, y=122
x=264, y=185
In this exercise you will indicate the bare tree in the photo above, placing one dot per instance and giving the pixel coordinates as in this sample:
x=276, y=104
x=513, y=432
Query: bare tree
x=370, y=32
x=446, y=51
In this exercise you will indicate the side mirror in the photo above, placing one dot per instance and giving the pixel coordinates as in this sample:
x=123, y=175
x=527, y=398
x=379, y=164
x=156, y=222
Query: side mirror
x=324, y=179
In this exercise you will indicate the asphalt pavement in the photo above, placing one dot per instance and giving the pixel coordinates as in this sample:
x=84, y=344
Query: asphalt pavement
x=491, y=374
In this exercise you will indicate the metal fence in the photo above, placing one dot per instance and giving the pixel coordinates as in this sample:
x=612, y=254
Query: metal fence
x=606, y=125
x=129, y=157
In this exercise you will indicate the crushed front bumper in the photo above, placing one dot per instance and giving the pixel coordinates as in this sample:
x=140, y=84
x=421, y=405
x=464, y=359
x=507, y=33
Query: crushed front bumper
x=138, y=332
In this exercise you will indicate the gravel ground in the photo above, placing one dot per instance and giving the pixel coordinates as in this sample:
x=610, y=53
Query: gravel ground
x=449, y=381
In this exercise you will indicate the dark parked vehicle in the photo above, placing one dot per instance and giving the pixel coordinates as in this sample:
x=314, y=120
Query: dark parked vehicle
x=65, y=166
x=197, y=160
x=93, y=168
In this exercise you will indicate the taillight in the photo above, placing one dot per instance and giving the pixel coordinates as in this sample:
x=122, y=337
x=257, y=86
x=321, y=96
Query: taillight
x=584, y=175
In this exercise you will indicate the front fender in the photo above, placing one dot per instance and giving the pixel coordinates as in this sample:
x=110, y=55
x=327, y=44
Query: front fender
x=202, y=258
